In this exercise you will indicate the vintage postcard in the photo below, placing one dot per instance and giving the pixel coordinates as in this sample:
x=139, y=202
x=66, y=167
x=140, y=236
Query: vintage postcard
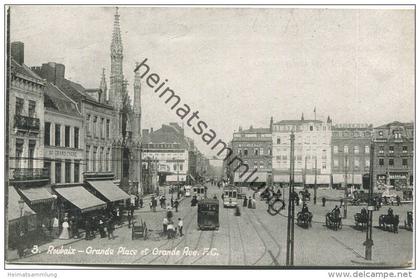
x=210, y=136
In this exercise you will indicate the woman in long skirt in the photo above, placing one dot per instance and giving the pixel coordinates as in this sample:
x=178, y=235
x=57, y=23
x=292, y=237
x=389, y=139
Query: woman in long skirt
x=65, y=234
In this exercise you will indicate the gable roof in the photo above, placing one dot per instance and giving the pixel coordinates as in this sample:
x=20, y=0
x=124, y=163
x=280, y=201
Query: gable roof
x=56, y=100
x=25, y=72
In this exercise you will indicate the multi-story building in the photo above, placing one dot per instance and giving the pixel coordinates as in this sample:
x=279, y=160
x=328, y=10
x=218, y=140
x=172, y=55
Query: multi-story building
x=63, y=138
x=254, y=147
x=169, y=149
x=312, y=151
x=393, y=154
x=350, y=154
x=26, y=173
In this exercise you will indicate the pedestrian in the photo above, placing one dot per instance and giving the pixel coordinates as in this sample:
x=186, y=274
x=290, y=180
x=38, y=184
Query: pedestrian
x=324, y=200
x=176, y=204
x=118, y=216
x=154, y=204
x=180, y=226
x=20, y=245
x=250, y=202
x=141, y=202
x=129, y=218
x=341, y=202
x=245, y=203
x=101, y=226
x=165, y=225
x=398, y=200
x=254, y=204
x=110, y=227
x=172, y=202
x=65, y=234
x=171, y=230
x=74, y=227
x=55, y=228
x=132, y=210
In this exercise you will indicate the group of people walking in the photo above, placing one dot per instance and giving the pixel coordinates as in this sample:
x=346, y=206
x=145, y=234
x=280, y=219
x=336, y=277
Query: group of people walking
x=169, y=228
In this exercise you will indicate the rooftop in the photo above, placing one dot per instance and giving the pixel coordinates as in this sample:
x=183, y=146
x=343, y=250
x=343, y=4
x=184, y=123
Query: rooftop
x=57, y=101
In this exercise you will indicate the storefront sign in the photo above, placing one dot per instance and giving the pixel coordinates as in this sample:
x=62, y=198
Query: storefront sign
x=66, y=154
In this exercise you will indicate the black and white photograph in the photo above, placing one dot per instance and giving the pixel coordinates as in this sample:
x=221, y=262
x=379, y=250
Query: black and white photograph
x=194, y=136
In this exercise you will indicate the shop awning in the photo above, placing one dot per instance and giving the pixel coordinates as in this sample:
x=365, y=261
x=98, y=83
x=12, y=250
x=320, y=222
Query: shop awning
x=81, y=198
x=109, y=190
x=339, y=178
x=37, y=195
x=176, y=178
x=320, y=179
x=13, y=207
x=256, y=177
x=285, y=178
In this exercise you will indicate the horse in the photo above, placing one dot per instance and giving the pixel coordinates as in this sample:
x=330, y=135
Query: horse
x=333, y=220
x=389, y=221
x=306, y=196
x=361, y=220
x=304, y=219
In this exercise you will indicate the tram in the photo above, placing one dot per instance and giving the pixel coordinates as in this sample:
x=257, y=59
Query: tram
x=230, y=196
x=208, y=214
x=199, y=191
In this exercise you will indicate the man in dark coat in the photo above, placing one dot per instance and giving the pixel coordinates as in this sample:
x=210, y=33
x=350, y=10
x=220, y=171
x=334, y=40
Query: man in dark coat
x=250, y=202
x=176, y=204
x=110, y=227
x=245, y=204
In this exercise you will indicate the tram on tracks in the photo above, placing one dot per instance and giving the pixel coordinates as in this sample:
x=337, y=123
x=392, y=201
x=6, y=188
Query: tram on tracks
x=208, y=214
x=200, y=191
x=230, y=196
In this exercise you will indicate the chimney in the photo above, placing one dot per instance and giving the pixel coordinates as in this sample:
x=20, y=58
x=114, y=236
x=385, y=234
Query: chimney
x=151, y=130
x=271, y=124
x=59, y=73
x=18, y=52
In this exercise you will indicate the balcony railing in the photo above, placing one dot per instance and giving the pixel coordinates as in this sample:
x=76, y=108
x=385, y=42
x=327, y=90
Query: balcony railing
x=30, y=174
x=27, y=123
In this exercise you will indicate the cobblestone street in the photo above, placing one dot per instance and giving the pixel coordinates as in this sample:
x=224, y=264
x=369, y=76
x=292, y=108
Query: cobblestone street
x=253, y=239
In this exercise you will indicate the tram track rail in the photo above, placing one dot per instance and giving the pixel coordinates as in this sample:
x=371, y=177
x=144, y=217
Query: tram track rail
x=260, y=237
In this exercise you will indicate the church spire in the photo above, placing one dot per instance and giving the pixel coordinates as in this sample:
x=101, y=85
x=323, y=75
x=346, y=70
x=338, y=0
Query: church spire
x=116, y=44
x=103, y=87
x=117, y=77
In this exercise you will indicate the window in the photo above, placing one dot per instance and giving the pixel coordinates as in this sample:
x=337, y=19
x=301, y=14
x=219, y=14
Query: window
x=256, y=151
x=47, y=134
x=391, y=149
x=174, y=167
x=47, y=166
x=261, y=151
x=87, y=157
x=31, y=154
x=102, y=128
x=381, y=149
x=335, y=149
x=324, y=165
x=356, y=149
x=31, y=108
x=181, y=167
x=367, y=163
x=57, y=135
x=335, y=163
x=67, y=171
x=404, y=148
x=67, y=136
x=245, y=152
x=88, y=130
x=76, y=137
x=356, y=163
x=367, y=149
x=391, y=162
x=95, y=121
x=278, y=141
x=19, y=106
x=381, y=133
x=100, y=158
x=270, y=152
x=57, y=172
x=381, y=161
x=404, y=162
x=311, y=128
x=95, y=150
x=108, y=158
x=18, y=152
x=76, y=171
x=346, y=149
x=107, y=128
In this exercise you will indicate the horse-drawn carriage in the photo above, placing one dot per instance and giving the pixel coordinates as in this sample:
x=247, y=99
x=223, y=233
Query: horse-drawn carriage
x=333, y=220
x=304, y=219
x=361, y=219
x=362, y=197
x=139, y=230
x=389, y=222
x=408, y=224
x=306, y=196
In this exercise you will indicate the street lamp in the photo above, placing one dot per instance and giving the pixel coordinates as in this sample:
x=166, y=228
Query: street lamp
x=369, y=242
x=291, y=207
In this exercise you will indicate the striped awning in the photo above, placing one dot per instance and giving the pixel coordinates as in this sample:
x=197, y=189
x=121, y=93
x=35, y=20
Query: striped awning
x=81, y=198
x=285, y=178
x=320, y=179
x=109, y=190
x=255, y=177
x=37, y=195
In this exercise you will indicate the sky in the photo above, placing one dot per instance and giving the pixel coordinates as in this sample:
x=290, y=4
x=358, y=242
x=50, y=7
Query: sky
x=239, y=66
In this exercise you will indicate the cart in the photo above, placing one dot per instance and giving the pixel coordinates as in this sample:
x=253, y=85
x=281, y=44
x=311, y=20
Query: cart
x=139, y=230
